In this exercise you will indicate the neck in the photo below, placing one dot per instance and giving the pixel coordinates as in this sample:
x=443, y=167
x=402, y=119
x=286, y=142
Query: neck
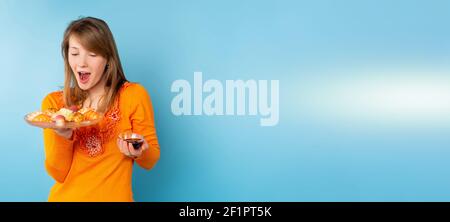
x=98, y=90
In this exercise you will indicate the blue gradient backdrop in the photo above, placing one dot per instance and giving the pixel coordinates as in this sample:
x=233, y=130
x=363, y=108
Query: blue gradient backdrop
x=364, y=96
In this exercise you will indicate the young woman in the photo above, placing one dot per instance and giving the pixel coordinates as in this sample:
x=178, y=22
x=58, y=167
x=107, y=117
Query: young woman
x=93, y=163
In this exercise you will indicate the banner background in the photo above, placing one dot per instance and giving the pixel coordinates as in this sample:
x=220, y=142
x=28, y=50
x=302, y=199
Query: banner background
x=364, y=96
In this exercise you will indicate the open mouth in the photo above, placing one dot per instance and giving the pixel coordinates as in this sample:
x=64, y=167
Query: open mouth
x=84, y=76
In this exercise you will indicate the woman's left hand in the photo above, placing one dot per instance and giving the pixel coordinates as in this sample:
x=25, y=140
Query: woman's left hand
x=128, y=150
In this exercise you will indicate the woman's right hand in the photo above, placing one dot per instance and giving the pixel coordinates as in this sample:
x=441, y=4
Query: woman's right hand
x=66, y=133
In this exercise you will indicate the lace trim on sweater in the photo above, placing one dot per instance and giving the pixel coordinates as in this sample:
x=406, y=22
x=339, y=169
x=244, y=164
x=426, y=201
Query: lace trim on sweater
x=91, y=140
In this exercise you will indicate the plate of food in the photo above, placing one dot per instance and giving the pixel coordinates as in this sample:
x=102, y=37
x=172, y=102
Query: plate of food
x=64, y=118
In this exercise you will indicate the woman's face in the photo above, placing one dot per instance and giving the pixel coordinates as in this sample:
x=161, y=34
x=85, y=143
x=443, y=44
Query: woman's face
x=87, y=66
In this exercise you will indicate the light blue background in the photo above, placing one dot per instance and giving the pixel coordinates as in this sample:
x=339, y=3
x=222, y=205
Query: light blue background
x=311, y=155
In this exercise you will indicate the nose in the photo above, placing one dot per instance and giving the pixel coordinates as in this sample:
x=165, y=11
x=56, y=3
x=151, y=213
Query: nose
x=82, y=61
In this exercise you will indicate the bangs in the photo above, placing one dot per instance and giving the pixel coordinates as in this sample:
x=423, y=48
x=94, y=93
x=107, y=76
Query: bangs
x=91, y=39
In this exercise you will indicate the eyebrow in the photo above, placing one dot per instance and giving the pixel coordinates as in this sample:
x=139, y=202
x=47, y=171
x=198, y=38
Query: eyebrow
x=73, y=47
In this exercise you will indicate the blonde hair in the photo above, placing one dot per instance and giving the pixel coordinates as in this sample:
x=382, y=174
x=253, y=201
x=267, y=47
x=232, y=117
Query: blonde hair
x=95, y=35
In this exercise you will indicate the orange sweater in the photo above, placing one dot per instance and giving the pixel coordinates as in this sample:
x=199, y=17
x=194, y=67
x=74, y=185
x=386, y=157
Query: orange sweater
x=90, y=167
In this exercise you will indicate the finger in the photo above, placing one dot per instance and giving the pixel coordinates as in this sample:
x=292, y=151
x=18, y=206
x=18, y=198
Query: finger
x=118, y=142
x=126, y=148
x=123, y=149
x=132, y=151
x=138, y=152
x=59, y=131
x=65, y=132
x=119, y=146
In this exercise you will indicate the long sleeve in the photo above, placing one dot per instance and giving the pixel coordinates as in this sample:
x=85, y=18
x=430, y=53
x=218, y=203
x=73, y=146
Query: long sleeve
x=58, y=150
x=142, y=121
